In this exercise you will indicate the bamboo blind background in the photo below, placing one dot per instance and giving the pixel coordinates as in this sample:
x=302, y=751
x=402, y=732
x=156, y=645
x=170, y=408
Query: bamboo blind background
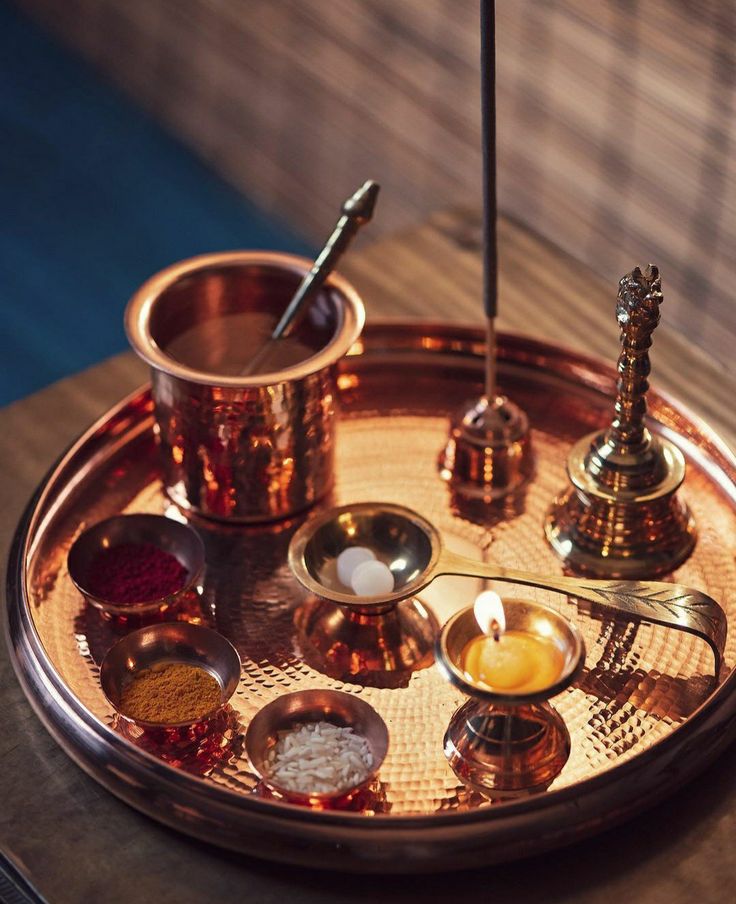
x=615, y=117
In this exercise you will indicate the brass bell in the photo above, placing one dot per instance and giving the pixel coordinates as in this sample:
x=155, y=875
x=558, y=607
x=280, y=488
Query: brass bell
x=621, y=517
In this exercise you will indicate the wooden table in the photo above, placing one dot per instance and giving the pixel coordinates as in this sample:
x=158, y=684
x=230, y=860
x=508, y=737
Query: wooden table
x=78, y=843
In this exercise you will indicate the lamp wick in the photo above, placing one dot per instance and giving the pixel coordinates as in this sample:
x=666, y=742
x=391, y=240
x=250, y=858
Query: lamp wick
x=495, y=630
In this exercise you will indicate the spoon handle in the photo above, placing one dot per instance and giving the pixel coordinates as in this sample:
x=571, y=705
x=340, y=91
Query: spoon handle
x=657, y=602
x=356, y=212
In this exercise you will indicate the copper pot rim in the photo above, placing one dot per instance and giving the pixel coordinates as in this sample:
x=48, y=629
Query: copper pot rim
x=141, y=305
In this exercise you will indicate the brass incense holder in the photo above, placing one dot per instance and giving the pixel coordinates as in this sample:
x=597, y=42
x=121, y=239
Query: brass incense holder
x=489, y=453
x=621, y=517
x=412, y=548
x=505, y=744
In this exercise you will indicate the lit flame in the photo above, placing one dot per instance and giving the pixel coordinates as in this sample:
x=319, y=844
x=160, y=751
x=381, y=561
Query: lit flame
x=488, y=611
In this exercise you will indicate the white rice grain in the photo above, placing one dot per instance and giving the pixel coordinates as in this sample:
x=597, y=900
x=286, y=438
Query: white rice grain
x=319, y=758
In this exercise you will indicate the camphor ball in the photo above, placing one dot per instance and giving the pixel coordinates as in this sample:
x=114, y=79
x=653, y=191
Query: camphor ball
x=372, y=578
x=348, y=561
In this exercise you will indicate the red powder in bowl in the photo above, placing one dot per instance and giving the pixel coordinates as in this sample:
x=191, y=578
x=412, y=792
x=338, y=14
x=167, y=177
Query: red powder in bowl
x=135, y=573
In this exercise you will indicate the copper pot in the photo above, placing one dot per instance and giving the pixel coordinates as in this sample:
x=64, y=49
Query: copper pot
x=242, y=448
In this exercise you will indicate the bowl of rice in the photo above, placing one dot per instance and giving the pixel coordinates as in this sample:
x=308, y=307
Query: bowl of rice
x=316, y=747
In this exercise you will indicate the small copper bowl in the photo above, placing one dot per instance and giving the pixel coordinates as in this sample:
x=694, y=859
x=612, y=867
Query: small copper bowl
x=169, y=642
x=171, y=536
x=301, y=707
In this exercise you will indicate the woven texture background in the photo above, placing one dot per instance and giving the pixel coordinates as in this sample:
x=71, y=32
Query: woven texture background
x=615, y=129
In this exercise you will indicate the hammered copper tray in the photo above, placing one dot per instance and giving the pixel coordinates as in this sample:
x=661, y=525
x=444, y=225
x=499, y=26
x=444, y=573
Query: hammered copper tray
x=646, y=714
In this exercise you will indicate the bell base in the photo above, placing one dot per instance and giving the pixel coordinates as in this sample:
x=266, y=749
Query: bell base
x=621, y=517
x=507, y=752
x=597, y=538
x=380, y=649
x=489, y=453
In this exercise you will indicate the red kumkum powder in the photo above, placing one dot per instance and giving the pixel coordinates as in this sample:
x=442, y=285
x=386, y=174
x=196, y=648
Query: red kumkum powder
x=135, y=573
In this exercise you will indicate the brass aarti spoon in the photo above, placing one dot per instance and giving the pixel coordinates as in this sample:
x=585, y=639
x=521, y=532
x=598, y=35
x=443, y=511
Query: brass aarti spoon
x=414, y=551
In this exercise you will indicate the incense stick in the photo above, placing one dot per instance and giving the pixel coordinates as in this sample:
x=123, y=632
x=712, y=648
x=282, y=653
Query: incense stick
x=488, y=126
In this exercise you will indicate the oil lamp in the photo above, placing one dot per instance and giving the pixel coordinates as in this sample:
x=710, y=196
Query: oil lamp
x=506, y=740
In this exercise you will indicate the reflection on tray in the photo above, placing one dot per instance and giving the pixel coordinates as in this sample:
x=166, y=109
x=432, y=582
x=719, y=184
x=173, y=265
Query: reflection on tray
x=615, y=680
x=100, y=629
x=382, y=650
x=197, y=748
x=369, y=801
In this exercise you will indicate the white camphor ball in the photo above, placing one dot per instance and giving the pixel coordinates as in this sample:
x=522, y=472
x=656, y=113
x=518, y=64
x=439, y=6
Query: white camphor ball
x=348, y=561
x=372, y=578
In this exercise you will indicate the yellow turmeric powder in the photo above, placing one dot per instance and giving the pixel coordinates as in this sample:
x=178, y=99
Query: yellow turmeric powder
x=169, y=693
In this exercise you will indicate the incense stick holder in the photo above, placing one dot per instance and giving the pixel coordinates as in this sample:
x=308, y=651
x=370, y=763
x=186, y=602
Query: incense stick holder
x=489, y=453
x=621, y=517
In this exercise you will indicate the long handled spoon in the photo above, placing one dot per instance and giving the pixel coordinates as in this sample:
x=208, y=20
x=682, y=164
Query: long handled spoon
x=355, y=212
x=416, y=555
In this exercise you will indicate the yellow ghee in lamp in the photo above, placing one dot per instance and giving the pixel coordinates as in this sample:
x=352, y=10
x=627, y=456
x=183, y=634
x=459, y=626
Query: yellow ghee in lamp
x=516, y=663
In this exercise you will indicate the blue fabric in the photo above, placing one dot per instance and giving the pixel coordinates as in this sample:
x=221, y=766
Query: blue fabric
x=94, y=198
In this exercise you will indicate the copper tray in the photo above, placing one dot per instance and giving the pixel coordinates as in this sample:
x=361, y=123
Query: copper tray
x=646, y=715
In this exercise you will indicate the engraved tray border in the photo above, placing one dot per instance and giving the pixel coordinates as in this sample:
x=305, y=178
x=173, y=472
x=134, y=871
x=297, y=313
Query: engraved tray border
x=342, y=840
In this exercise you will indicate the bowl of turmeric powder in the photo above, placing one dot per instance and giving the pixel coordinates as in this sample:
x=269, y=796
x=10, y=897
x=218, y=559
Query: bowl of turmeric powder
x=170, y=675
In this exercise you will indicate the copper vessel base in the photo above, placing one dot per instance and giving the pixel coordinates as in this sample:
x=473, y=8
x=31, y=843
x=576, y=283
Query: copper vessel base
x=507, y=752
x=370, y=649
